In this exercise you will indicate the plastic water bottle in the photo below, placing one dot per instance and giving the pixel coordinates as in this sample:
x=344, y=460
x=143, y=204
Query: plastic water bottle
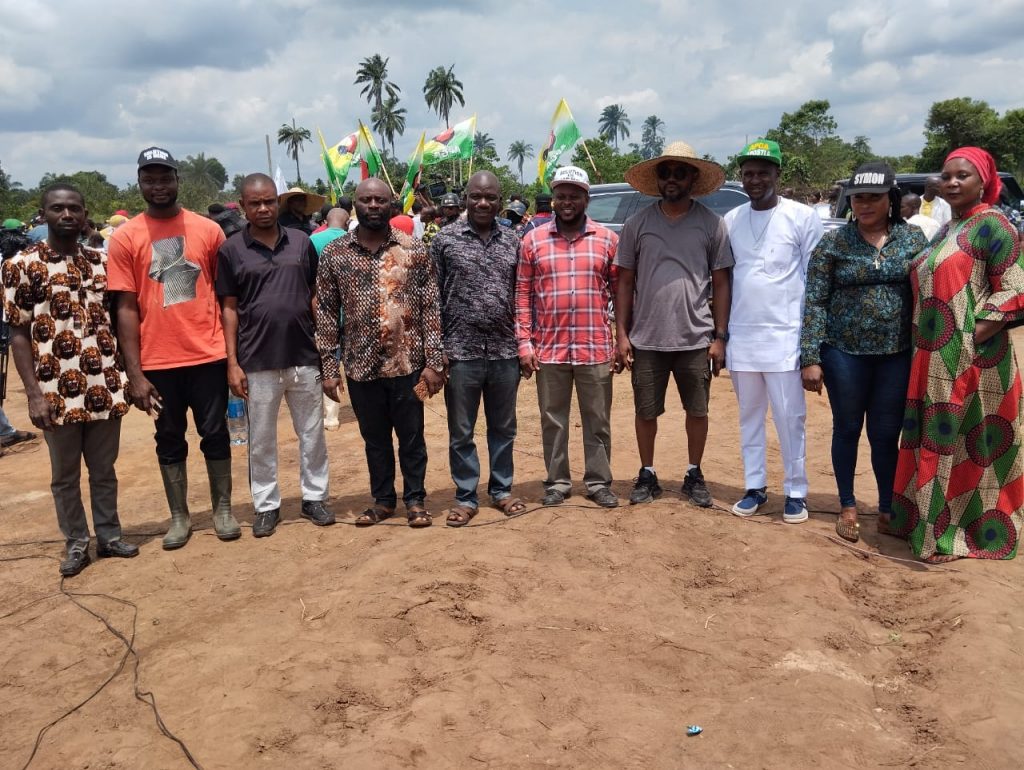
x=238, y=425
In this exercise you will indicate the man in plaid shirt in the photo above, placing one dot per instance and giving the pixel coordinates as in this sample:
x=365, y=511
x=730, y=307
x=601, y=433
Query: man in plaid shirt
x=564, y=282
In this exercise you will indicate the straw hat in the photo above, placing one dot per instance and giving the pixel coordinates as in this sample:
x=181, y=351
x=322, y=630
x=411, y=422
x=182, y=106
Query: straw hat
x=313, y=201
x=643, y=176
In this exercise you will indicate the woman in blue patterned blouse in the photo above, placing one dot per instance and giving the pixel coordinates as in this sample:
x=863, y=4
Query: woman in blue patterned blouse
x=856, y=332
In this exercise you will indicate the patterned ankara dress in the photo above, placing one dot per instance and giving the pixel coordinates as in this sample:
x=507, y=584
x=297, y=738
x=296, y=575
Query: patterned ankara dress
x=959, y=484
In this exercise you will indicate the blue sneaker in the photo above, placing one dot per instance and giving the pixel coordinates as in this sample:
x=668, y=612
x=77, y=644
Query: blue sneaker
x=795, y=511
x=752, y=500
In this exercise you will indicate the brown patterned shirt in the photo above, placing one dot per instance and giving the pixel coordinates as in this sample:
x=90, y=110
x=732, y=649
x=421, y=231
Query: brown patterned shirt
x=388, y=303
x=64, y=303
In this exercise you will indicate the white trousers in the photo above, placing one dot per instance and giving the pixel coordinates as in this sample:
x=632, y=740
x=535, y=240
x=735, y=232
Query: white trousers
x=784, y=390
x=301, y=391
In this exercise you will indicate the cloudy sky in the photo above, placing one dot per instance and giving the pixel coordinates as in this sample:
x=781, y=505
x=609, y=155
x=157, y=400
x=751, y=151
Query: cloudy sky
x=86, y=85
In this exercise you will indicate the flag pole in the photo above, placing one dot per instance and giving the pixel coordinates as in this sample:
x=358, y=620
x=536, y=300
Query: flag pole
x=591, y=159
x=270, y=164
x=388, y=178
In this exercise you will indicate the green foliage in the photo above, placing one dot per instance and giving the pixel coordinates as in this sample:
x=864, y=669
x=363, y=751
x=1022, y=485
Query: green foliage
x=814, y=156
x=293, y=137
x=1011, y=141
x=652, y=140
x=613, y=123
x=518, y=152
x=957, y=123
x=387, y=120
x=483, y=147
x=441, y=90
x=611, y=165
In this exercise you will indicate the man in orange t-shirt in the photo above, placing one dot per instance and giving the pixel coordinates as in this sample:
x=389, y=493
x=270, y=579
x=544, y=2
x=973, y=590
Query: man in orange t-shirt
x=163, y=264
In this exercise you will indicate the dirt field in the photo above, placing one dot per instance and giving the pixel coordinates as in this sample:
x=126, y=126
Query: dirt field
x=567, y=637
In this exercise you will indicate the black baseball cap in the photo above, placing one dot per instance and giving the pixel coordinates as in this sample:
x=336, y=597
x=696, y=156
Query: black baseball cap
x=450, y=199
x=874, y=177
x=156, y=156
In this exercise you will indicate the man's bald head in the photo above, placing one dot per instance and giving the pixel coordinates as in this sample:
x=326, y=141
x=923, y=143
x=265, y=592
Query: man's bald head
x=483, y=178
x=910, y=204
x=256, y=180
x=375, y=186
x=338, y=218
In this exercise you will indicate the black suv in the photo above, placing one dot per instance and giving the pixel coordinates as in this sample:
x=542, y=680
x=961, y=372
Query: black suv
x=612, y=204
x=914, y=183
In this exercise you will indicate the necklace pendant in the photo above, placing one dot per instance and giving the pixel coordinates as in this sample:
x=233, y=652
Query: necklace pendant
x=878, y=263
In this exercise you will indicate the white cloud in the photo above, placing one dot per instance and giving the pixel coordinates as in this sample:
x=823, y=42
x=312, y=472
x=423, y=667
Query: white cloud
x=217, y=78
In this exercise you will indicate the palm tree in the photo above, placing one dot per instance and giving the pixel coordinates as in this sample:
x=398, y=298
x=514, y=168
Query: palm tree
x=442, y=90
x=482, y=143
x=293, y=137
x=653, y=137
x=373, y=74
x=613, y=123
x=388, y=120
x=203, y=173
x=518, y=152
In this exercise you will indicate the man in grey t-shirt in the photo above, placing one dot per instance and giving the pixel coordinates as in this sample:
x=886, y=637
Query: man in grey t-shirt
x=671, y=257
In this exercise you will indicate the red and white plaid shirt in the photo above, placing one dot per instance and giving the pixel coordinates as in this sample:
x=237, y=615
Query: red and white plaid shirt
x=563, y=289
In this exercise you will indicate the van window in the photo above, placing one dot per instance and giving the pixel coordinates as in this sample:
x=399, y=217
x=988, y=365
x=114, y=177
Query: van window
x=610, y=208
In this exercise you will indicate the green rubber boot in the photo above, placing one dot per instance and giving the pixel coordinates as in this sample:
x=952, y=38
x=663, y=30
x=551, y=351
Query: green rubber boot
x=176, y=488
x=224, y=524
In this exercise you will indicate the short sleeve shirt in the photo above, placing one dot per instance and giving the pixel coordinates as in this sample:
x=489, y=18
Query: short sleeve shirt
x=673, y=260
x=274, y=288
x=63, y=302
x=170, y=265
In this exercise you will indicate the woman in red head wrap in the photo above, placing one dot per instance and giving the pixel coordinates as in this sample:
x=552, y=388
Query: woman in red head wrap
x=960, y=474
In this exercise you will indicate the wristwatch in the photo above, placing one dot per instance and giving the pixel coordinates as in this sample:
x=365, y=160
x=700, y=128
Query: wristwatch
x=723, y=336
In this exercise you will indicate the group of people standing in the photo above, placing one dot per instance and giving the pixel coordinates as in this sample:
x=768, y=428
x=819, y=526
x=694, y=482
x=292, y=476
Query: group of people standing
x=908, y=334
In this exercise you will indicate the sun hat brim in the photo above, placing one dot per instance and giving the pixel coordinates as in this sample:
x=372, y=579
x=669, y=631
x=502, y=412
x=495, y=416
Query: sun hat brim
x=643, y=176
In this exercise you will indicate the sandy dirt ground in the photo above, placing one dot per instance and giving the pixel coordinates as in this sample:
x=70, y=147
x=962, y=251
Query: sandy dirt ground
x=566, y=637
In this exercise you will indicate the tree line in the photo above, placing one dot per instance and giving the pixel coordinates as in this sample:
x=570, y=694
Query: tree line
x=815, y=153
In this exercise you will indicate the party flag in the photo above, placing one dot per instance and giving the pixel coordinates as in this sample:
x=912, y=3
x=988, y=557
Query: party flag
x=564, y=134
x=456, y=142
x=412, y=177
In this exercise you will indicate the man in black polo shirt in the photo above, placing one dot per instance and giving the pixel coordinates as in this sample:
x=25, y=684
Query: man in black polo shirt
x=266, y=276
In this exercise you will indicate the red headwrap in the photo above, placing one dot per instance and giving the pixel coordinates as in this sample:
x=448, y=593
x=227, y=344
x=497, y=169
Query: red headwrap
x=985, y=165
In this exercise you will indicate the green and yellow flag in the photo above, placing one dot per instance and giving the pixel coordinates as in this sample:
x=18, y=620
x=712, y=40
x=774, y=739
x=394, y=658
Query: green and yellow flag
x=338, y=160
x=456, y=142
x=412, y=177
x=564, y=134
x=369, y=159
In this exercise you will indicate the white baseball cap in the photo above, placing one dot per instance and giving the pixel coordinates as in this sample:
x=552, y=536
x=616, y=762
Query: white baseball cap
x=571, y=175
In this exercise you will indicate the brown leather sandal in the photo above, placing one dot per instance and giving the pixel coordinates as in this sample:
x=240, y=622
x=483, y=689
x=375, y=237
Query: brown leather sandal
x=846, y=529
x=510, y=506
x=418, y=517
x=460, y=515
x=374, y=515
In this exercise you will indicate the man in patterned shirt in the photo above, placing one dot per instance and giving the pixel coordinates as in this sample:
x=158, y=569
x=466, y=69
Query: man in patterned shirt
x=55, y=296
x=476, y=272
x=565, y=280
x=383, y=284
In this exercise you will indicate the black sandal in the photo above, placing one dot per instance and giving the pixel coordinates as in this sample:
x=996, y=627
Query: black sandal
x=418, y=517
x=374, y=515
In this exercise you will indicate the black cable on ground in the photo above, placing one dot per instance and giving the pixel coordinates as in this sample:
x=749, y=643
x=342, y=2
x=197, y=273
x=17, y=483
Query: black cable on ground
x=146, y=697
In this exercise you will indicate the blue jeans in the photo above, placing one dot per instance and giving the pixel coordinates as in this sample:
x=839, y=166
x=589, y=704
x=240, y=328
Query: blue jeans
x=872, y=385
x=6, y=429
x=497, y=383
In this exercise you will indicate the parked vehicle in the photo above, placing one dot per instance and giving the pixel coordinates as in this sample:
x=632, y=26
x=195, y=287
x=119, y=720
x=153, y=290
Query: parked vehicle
x=1010, y=197
x=612, y=204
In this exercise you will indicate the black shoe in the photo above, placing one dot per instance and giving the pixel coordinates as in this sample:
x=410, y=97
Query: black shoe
x=646, y=488
x=265, y=523
x=553, y=497
x=693, y=485
x=604, y=497
x=317, y=512
x=116, y=548
x=76, y=561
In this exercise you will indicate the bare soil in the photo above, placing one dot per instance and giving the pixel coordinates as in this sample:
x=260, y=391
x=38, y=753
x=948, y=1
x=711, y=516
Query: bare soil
x=565, y=637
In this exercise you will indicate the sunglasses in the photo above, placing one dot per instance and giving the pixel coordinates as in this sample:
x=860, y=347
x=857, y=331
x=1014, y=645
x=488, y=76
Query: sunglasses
x=666, y=172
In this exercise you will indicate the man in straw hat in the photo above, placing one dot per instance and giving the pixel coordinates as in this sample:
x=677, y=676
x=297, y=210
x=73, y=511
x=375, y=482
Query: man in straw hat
x=672, y=256
x=772, y=240
x=564, y=283
x=297, y=206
